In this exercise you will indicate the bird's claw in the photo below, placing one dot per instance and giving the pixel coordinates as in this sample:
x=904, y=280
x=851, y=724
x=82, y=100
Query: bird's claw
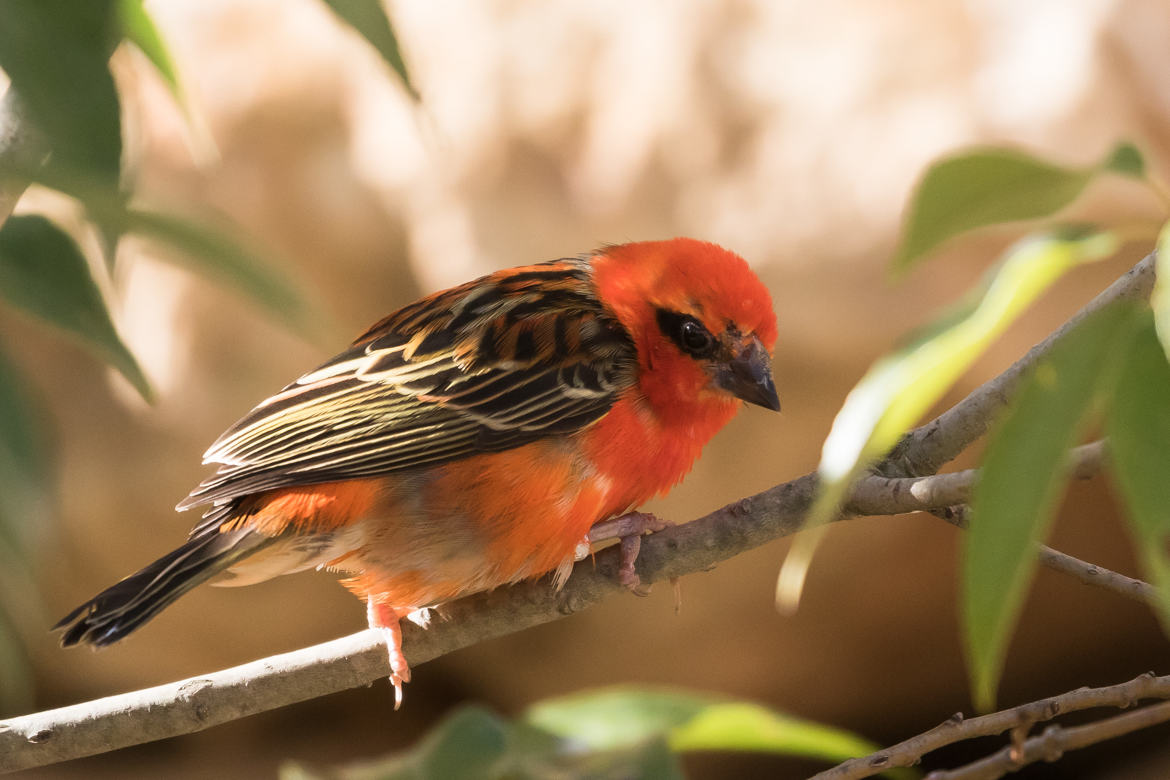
x=384, y=620
x=627, y=574
x=628, y=529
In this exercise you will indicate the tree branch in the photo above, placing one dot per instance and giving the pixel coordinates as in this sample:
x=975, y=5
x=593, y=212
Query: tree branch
x=201, y=702
x=925, y=450
x=1019, y=720
x=875, y=494
x=1055, y=742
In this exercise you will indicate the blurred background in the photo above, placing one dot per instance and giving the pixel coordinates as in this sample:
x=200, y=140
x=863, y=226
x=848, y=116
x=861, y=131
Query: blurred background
x=789, y=132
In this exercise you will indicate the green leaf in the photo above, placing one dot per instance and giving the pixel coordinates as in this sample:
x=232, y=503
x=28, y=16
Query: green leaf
x=1020, y=482
x=43, y=273
x=619, y=718
x=612, y=718
x=369, y=18
x=467, y=745
x=743, y=726
x=209, y=250
x=214, y=253
x=16, y=687
x=612, y=733
x=1160, y=297
x=55, y=52
x=24, y=462
x=1139, y=429
x=900, y=388
x=984, y=187
x=1126, y=160
x=140, y=30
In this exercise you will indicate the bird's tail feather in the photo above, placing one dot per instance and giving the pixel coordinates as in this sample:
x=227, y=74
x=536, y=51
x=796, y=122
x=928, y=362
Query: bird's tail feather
x=126, y=605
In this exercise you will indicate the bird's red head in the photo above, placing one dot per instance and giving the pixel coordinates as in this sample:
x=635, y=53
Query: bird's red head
x=701, y=320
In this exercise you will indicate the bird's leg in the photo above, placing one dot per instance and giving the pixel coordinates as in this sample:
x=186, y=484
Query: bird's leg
x=384, y=619
x=627, y=528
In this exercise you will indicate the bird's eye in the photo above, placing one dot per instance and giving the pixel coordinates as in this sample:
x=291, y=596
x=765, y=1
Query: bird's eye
x=687, y=332
x=694, y=338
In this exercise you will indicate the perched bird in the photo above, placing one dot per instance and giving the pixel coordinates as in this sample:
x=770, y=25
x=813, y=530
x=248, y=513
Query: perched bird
x=483, y=435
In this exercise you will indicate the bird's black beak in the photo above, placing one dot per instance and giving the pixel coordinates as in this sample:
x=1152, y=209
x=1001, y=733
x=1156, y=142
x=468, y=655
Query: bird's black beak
x=748, y=376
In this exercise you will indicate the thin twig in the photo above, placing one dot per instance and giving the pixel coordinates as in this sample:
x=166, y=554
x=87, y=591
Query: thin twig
x=1098, y=576
x=191, y=705
x=875, y=494
x=926, y=449
x=1055, y=742
x=957, y=729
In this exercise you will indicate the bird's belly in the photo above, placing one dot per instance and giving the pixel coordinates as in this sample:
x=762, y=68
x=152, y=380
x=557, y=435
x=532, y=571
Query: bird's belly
x=474, y=524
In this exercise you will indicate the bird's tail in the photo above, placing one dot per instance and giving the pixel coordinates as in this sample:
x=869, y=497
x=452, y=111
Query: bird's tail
x=126, y=605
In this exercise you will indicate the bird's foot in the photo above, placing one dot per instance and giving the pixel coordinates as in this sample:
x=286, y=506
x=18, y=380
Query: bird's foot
x=384, y=619
x=628, y=529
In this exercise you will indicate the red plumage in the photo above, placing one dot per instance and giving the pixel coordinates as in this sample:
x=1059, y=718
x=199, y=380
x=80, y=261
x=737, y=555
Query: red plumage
x=475, y=437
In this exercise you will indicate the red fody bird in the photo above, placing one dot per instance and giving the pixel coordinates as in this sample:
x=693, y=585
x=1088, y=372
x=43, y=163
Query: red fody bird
x=483, y=435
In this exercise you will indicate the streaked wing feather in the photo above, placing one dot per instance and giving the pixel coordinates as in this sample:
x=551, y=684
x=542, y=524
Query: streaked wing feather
x=490, y=365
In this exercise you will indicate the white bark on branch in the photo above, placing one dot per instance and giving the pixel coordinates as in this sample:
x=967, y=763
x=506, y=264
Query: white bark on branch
x=190, y=705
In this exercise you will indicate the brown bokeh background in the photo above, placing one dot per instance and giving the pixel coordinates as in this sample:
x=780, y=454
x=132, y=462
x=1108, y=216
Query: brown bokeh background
x=790, y=132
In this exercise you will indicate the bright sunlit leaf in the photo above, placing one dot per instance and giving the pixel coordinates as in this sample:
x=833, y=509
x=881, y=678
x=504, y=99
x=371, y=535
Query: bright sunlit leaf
x=744, y=726
x=617, y=718
x=1020, y=482
x=982, y=187
x=1139, y=430
x=56, y=53
x=43, y=273
x=140, y=30
x=899, y=388
x=1160, y=297
x=369, y=18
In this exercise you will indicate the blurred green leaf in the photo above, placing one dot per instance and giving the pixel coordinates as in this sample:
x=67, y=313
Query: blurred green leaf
x=140, y=30
x=1020, y=482
x=1160, y=297
x=611, y=734
x=743, y=726
x=465, y=746
x=984, y=187
x=214, y=253
x=619, y=718
x=369, y=18
x=1139, y=430
x=16, y=688
x=24, y=461
x=900, y=388
x=43, y=273
x=55, y=52
x=614, y=717
x=1126, y=159
x=24, y=515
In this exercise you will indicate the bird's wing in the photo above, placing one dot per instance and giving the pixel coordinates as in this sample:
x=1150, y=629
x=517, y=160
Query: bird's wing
x=490, y=365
